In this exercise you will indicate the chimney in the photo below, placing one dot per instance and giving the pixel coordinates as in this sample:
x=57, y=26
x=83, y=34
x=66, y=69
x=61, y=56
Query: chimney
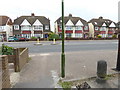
x=70, y=15
x=100, y=17
x=32, y=14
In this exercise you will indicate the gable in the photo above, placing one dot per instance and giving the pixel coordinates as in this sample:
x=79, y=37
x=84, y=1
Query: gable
x=104, y=24
x=69, y=23
x=112, y=25
x=37, y=22
x=25, y=22
x=79, y=23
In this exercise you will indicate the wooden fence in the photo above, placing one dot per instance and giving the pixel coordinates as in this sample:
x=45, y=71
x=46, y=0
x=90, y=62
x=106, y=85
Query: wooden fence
x=20, y=58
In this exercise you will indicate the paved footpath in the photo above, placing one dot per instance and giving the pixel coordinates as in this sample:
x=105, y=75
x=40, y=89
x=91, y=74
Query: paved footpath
x=43, y=71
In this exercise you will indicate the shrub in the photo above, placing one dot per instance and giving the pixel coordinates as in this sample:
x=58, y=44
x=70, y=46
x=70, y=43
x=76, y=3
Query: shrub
x=52, y=36
x=33, y=37
x=6, y=50
x=114, y=36
x=99, y=36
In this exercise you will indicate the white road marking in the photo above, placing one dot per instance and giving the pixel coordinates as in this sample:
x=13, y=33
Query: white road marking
x=55, y=79
x=43, y=54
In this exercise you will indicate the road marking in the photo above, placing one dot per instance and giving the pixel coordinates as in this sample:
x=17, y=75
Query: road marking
x=55, y=79
x=44, y=54
x=32, y=55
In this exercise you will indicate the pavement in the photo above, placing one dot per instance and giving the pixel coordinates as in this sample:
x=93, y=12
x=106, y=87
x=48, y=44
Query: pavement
x=43, y=70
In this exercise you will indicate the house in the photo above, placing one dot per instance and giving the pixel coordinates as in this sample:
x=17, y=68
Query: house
x=31, y=26
x=104, y=27
x=5, y=27
x=74, y=27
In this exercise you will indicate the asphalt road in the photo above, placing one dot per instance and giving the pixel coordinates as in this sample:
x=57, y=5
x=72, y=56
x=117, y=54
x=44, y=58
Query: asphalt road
x=70, y=46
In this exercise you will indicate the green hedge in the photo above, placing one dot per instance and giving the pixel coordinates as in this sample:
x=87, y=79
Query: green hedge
x=6, y=50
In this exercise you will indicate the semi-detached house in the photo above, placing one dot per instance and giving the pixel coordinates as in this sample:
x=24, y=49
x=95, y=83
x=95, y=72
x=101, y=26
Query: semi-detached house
x=75, y=27
x=104, y=27
x=5, y=27
x=31, y=26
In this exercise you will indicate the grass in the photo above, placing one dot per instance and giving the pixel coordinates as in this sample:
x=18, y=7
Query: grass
x=67, y=84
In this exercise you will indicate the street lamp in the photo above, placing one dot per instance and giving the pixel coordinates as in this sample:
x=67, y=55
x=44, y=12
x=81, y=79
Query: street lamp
x=63, y=54
x=118, y=57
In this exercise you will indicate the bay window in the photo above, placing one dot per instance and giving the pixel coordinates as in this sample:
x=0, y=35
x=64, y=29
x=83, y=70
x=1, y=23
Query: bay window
x=79, y=28
x=25, y=27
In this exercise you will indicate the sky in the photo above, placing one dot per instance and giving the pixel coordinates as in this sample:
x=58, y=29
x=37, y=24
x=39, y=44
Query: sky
x=86, y=9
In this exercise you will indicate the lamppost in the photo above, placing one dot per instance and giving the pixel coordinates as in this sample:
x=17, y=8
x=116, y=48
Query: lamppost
x=118, y=57
x=63, y=54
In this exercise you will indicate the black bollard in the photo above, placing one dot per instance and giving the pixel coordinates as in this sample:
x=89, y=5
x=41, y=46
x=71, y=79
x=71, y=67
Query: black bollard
x=101, y=69
x=118, y=57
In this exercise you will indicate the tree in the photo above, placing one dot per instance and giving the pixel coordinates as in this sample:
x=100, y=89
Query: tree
x=52, y=36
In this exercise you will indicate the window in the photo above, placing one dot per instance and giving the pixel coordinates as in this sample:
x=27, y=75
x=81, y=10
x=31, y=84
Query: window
x=38, y=27
x=38, y=35
x=68, y=34
x=25, y=27
x=78, y=28
x=103, y=29
x=60, y=27
x=96, y=28
x=16, y=27
x=78, y=35
x=47, y=27
x=86, y=28
x=68, y=27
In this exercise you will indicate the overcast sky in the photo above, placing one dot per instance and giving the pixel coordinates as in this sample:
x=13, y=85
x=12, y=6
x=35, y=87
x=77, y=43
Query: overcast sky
x=86, y=9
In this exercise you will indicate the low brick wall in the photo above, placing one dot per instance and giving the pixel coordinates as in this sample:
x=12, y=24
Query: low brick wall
x=5, y=78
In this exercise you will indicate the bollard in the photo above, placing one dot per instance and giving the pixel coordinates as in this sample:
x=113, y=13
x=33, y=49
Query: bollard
x=101, y=69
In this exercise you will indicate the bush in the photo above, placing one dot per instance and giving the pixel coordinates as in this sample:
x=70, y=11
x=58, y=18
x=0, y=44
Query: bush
x=99, y=36
x=52, y=36
x=33, y=37
x=6, y=50
x=114, y=36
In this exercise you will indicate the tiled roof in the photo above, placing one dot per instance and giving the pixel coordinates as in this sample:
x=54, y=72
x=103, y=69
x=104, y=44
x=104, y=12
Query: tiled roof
x=32, y=19
x=5, y=20
x=73, y=19
x=100, y=21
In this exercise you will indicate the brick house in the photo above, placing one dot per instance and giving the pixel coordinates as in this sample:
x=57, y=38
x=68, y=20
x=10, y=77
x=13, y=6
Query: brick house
x=5, y=27
x=104, y=27
x=31, y=26
x=75, y=27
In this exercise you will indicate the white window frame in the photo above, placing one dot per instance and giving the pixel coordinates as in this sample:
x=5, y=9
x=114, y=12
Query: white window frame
x=96, y=28
x=78, y=35
x=25, y=27
x=102, y=28
x=38, y=27
x=85, y=27
x=16, y=27
x=79, y=28
x=46, y=27
x=68, y=27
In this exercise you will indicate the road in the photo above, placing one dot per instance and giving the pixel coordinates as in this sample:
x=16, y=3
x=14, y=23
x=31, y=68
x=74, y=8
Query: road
x=43, y=71
x=70, y=46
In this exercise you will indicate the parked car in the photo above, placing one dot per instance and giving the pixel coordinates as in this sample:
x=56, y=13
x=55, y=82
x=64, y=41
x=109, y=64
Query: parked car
x=23, y=39
x=12, y=38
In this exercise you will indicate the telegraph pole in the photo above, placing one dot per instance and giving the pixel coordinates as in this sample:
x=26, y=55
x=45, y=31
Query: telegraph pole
x=63, y=54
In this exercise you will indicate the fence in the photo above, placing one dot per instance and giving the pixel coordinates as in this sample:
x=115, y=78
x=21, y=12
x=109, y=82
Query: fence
x=4, y=72
x=20, y=58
